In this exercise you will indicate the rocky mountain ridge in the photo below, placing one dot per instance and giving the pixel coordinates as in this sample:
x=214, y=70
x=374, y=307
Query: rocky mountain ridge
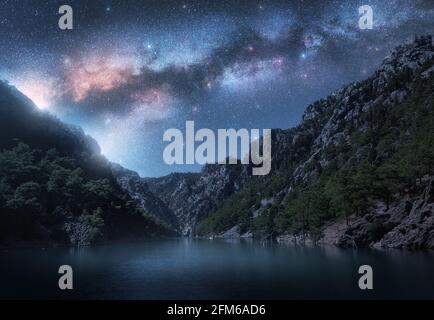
x=338, y=133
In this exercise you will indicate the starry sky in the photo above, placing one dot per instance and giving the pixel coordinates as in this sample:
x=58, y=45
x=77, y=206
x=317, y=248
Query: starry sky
x=129, y=70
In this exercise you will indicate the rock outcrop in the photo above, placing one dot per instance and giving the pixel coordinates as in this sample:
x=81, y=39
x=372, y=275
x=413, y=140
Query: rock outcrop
x=191, y=196
x=406, y=224
x=138, y=189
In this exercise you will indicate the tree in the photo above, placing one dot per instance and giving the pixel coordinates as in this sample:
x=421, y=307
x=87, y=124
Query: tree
x=360, y=190
x=5, y=192
x=349, y=191
x=17, y=165
x=386, y=182
x=26, y=198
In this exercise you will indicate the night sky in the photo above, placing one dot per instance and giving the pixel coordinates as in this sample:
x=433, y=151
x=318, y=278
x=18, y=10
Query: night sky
x=129, y=70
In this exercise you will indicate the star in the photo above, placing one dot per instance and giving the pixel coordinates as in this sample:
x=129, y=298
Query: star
x=154, y=63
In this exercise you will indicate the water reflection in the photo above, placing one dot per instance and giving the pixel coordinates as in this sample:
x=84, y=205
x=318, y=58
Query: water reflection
x=208, y=269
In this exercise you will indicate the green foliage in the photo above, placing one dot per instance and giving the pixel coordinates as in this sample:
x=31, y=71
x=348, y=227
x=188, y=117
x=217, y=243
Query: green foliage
x=98, y=188
x=42, y=192
x=94, y=221
x=235, y=211
x=26, y=198
x=388, y=154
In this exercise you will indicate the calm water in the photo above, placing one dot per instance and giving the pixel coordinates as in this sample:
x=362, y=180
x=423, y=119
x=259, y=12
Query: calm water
x=202, y=269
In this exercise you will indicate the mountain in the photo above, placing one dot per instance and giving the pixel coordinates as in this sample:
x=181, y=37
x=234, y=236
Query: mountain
x=357, y=170
x=55, y=185
x=138, y=189
x=191, y=196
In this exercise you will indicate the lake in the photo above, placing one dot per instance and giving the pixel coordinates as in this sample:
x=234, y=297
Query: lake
x=214, y=269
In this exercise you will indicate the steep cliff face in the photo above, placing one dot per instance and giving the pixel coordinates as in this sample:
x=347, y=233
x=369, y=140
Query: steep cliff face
x=416, y=229
x=406, y=224
x=331, y=122
x=346, y=142
x=138, y=189
x=191, y=196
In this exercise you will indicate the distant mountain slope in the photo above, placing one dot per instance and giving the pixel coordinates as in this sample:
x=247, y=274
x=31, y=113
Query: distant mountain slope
x=21, y=119
x=139, y=190
x=55, y=185
x=192, y=195
x=357, y=153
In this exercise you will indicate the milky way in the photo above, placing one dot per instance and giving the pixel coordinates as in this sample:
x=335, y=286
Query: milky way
x=129, y=70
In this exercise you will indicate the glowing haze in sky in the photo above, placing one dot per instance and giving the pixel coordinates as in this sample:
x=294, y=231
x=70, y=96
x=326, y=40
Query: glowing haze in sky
x=132, y=69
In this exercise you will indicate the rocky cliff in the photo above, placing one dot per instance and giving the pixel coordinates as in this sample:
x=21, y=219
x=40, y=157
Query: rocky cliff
x=191, y=196
x=364, y=135
x=406, y=224
x=138, y=189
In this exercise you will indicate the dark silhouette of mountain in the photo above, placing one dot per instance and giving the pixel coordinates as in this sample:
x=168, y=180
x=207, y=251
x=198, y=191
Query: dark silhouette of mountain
x=55, y=185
